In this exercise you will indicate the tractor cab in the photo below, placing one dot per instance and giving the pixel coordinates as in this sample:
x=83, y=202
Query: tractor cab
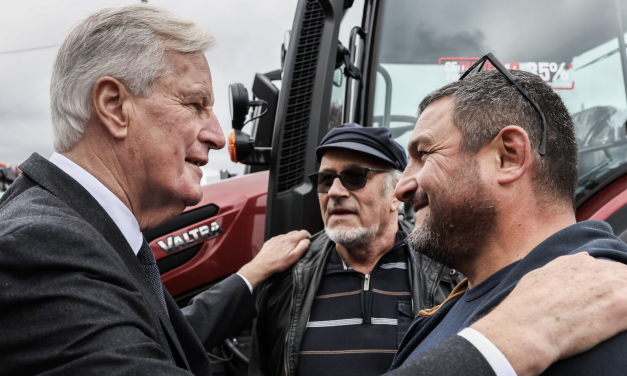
x=371, y=62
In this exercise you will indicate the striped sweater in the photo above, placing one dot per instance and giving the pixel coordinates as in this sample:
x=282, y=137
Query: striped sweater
x=357, y=320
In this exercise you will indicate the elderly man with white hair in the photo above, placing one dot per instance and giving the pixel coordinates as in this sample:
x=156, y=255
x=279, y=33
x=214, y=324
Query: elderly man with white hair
x=131, y=100
x=80, y=292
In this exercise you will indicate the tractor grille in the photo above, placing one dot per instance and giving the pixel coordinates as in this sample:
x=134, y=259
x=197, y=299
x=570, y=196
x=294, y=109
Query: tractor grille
x=292, y=159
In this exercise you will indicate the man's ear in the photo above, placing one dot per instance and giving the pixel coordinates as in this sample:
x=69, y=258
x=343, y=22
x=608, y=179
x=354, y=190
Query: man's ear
x=109, y=96
x=396, y=204
x=513, y=154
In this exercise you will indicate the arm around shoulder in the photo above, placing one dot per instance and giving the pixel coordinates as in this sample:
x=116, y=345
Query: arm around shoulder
x=454, y=356
x=221, y=311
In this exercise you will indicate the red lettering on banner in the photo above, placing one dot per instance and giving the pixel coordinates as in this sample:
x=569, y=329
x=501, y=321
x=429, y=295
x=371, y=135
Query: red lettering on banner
x=464, y=65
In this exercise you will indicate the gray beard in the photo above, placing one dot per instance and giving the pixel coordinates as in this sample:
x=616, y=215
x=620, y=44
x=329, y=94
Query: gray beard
x=354, y=237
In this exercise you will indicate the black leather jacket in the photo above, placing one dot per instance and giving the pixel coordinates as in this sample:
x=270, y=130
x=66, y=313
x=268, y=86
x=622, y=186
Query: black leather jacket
x=284, y=303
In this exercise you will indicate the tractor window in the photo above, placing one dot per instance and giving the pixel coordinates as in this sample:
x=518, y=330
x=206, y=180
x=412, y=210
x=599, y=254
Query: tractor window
x=618, y=221
x=352, y=17
x=577, y=48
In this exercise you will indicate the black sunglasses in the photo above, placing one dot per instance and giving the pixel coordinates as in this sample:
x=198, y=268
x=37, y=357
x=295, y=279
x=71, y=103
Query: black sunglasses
x=489, y=57
x=351, y=178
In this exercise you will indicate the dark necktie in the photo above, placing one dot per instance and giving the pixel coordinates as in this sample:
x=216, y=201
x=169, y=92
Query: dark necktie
x=147, y=260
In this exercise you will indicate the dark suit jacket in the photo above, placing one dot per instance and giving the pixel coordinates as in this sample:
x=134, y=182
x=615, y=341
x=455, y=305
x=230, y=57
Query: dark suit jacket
x=453, y=357
x=74, y=299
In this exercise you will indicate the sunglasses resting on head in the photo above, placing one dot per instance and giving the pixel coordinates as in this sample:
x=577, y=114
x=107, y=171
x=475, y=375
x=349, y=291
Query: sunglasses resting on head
x=478, y=66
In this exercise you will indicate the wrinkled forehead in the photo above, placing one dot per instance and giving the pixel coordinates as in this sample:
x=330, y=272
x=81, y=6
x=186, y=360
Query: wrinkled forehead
x=188, y=72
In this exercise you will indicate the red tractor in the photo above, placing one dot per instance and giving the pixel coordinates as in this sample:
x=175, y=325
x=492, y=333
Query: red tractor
x=371, y=62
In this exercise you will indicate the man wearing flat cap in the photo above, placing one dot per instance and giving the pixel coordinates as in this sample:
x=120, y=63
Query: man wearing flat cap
x=359, y=284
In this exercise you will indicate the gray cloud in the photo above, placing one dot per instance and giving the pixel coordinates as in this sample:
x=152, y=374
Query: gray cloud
x=421, y=31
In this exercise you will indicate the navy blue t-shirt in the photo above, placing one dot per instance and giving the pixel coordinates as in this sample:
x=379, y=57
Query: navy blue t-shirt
x=461, y=311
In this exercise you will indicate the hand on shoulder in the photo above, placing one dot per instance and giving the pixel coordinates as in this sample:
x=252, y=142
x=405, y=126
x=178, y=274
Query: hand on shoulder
x=276, y=255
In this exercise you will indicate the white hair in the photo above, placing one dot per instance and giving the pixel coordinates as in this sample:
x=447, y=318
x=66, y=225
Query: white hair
x=391, y=181
x=130, y=44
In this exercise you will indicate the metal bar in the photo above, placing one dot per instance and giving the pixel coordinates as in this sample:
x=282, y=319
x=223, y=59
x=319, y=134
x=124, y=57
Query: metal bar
x=388, y=95
x=621, y=45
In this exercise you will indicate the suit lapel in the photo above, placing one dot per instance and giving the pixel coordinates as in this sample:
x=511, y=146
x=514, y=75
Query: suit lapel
x=75, y=196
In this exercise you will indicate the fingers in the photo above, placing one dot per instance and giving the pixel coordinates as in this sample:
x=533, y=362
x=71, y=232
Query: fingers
x=301, y=247
x=564, y=308
x=276, y=255
x=292, y=251
x=301, y=234
x=291, y=238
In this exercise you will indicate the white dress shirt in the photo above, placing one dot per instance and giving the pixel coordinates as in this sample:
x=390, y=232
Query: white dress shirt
x=491, y=353
x=115, y=208
x=119, y=213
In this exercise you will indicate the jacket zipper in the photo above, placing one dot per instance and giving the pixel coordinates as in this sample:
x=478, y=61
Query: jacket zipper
x=366, y=300
x=287, y=336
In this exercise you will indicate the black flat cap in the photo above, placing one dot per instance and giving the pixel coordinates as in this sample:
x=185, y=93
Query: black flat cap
x=377, y=142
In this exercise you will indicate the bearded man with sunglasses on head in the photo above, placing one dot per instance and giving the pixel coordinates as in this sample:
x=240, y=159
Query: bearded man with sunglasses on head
x=359, y=286
x=492, y=175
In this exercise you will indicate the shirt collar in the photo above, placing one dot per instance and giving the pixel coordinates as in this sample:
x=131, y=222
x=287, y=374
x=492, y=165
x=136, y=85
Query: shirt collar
x=115, y=208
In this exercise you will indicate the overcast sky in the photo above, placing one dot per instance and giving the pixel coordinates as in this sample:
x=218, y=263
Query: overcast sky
x=249, y=35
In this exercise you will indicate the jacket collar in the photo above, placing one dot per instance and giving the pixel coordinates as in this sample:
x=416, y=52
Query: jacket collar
x=335, y=262
x=115, y=208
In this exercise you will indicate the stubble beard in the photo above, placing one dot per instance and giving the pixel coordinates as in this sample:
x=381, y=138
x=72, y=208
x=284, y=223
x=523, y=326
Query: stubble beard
x=459, y=221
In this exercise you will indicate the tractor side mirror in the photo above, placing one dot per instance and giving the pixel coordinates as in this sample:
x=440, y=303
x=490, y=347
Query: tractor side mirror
x=239, y=105
x=241, y=145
